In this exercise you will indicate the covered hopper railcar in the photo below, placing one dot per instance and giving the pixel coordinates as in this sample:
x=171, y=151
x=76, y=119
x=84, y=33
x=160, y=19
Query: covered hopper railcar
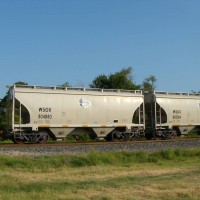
x=36, y=113
x=168, y=114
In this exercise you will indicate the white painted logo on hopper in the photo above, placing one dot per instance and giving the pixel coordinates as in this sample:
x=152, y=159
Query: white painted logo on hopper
x=85, y=103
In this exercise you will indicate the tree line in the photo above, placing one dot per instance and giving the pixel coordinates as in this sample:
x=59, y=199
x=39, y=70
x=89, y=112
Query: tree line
x=122, y=79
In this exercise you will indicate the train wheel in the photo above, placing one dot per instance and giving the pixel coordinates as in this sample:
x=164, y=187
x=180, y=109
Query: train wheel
x=137, y=136
x=127, y=136
x=173, y=134
x=18, y=139
x=43, y=137
x=116, y=136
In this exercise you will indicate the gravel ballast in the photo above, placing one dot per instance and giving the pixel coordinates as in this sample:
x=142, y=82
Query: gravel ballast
x=101, y=147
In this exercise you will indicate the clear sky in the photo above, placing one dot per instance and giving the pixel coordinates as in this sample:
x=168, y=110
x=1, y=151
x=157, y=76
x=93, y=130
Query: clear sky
x=50, y=42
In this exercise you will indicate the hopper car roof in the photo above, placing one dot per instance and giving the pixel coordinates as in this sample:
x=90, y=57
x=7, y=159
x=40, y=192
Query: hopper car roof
x=171, y=95
x=74, y=90
x=177, y=95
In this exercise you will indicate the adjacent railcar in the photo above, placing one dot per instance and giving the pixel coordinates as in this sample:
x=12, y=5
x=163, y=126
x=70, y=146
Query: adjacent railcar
x=36, y=113
x=171, y=113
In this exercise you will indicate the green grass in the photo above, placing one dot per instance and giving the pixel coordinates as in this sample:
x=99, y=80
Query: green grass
x=192, y=134
x=168, y=174
x=95, y=158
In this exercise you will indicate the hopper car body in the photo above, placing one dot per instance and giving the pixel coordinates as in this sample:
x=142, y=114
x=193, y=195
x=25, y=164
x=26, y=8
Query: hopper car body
x=170, y=113
x=36, y=113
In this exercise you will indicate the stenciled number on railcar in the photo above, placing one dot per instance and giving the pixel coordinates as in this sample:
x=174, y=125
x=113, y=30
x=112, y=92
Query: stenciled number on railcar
x=44, y=113
x=177, y=114
x=44, y=109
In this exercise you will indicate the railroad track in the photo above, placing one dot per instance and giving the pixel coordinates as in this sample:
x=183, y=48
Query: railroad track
x=63, y=143
x=77, y=147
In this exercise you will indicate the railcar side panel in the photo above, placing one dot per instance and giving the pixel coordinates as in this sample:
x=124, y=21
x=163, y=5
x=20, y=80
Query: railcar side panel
x=64, y=111
x=174, y=110
x=180, y=111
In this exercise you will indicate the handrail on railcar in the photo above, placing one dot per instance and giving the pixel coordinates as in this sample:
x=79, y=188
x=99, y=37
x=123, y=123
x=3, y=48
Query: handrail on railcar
x=76, y=88
x=177, y=93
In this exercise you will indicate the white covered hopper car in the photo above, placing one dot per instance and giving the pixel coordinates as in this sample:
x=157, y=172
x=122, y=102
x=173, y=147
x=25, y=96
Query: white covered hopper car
x=36, y=113
x=170, y=113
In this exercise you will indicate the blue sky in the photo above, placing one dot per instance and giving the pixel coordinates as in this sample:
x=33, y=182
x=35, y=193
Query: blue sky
x=49, y=42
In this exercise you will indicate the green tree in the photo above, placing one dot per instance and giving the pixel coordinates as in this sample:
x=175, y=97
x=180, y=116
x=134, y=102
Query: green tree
x=20, y=83
x=101, y=81
x=149, y=83
x=119, y=80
